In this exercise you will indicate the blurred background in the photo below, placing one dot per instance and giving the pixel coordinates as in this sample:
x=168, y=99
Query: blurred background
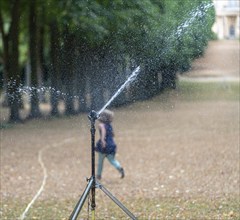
x=176, y=125
x=74, y=54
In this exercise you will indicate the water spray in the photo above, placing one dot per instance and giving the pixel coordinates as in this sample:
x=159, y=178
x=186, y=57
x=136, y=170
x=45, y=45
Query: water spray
x=93, y=116
x=92, y=182
x=199, y=12
x=131, y=78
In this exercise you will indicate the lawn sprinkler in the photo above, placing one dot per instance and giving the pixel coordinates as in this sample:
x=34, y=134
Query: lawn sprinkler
x=93, y=183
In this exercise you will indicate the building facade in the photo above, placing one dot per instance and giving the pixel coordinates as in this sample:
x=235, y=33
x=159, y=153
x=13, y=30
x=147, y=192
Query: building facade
x=227, y=22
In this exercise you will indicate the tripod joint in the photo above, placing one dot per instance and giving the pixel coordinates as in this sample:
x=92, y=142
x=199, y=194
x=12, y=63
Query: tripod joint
x=98, y=185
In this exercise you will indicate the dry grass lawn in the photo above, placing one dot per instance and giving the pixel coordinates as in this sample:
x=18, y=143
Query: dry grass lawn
x=180, y=151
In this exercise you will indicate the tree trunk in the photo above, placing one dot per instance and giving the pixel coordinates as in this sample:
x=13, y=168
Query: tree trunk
x=33, y=44
x=96, y=86
x=82, y=80
x=12, y=64
x=69, y=73
x=40, y=56
x=168, y=79
x=151, y=84
x=6, y=65
x=55, y=67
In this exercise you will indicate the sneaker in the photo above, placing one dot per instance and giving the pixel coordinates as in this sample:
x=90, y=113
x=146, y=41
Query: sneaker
x=122, y=173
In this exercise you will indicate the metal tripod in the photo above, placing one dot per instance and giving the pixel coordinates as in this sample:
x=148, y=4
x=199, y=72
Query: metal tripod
x=93, y=183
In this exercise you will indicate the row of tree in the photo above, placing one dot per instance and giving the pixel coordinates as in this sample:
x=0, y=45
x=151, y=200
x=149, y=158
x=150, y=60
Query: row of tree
x=83, y=50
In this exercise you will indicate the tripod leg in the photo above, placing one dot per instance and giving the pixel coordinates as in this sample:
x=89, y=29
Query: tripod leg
x=81, y=201
x=114, y=199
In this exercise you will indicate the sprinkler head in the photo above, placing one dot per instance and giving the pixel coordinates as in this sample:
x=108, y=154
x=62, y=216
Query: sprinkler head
x=93, y=115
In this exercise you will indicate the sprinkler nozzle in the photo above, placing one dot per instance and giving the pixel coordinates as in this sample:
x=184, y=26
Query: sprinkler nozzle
x=93, y=115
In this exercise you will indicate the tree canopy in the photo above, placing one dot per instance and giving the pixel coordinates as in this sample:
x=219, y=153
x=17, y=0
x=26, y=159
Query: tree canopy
x=80, y=51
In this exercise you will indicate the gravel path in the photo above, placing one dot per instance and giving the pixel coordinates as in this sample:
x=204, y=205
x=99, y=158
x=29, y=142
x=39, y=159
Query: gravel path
x=221, y=59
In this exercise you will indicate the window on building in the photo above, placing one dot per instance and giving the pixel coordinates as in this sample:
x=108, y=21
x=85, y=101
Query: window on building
x=232, y=31
x=233, y=3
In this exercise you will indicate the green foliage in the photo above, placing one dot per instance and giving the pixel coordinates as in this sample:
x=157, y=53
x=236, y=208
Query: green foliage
x=141, y=29
x=110, y=36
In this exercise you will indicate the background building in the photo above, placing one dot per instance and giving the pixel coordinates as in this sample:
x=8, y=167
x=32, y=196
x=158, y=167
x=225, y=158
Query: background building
x=227, y=23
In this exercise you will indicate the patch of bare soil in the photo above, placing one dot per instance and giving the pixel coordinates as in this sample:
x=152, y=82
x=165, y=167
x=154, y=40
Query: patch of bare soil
x=189, y=149
x=168, y=149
